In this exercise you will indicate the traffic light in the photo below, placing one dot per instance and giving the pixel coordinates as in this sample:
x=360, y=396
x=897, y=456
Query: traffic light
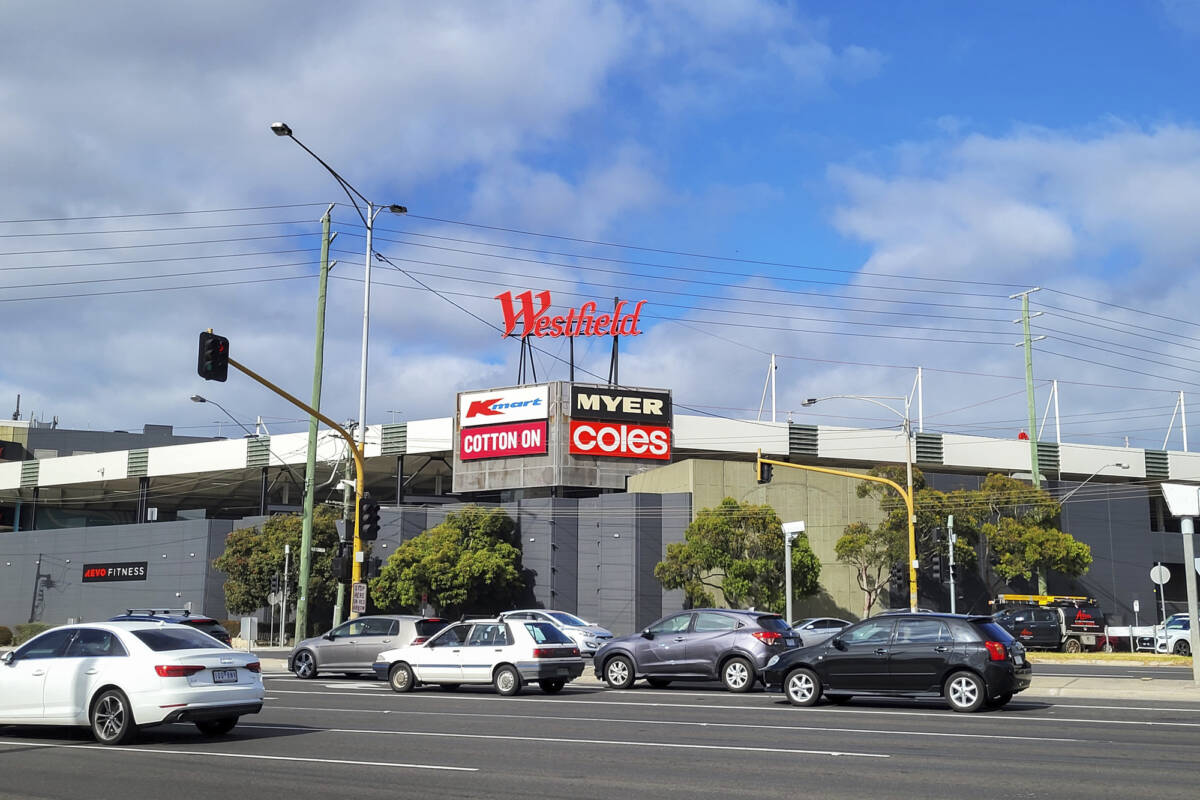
x=368, y=518
x=765, y=472
x=954, y=572
x=212, y=363
x=935, y=568
x=373, y=567
x=274, y=584
x=341, y=565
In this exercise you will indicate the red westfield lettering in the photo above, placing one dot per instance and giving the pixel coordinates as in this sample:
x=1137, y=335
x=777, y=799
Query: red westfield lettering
x=583, y=321
x=620, y=440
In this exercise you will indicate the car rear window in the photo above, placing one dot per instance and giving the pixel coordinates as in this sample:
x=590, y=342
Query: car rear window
x=209, y=626
x=545, y=633
x=428, y=627
x=990, y=631
x=773, y=622
x=161, y=639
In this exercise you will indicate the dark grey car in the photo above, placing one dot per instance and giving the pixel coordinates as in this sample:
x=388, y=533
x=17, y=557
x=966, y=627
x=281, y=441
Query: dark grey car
x=352, y=646
x=701, y=644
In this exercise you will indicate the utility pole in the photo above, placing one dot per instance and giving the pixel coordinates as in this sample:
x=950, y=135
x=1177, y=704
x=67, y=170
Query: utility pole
x=951, y=539
x=310, y=476
x=1028, y=341
x=791, y=530
x=347, y=504
x=283, y=597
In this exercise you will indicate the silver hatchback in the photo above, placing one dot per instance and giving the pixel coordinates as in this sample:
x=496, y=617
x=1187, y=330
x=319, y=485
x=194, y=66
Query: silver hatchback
x=352, y=646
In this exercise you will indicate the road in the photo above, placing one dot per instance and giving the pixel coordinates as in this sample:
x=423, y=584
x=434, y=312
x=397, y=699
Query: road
x=355, y=738
x=1114, y=671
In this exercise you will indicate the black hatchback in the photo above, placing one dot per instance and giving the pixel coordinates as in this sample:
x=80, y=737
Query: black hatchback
x=970, y=661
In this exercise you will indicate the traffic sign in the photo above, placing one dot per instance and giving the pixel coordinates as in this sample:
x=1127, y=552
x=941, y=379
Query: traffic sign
x=1160, y=574
x=358, y=598
x=272, y=598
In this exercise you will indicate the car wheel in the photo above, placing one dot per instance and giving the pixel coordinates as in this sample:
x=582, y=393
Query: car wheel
x=618, y=672
x=737, y=675
x=305, y=665
x=1072, y=646
x=1001, y=701
x=1183, y=648
x=658, y=683
x=400, y=678
x=112, y=718
x=1107, y=647
x=839, y=699
x=552, y=686
x=965, y=691
x=217, y=727
x=507, y=681
x=802, y=687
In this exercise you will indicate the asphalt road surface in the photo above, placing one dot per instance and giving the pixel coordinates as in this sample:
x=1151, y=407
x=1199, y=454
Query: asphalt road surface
x=332, y=738
x=1114, y=671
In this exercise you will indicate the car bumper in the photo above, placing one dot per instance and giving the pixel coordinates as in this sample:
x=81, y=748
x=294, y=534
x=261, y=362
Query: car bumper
x=381, y=668
x=563, y=670
x=200, y=713
x=1004, y=678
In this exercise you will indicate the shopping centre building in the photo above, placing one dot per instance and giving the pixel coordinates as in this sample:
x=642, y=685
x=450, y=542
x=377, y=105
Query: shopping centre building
x=599, y=479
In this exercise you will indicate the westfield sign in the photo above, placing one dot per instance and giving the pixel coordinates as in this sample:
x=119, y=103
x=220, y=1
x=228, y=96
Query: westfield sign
x=531, y=311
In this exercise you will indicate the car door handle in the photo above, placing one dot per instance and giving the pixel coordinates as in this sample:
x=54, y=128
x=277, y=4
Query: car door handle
x=39, y=672
x=679, y=638
x=881, y=651
x=385, y=641
x=941, y=648
x=91, y=671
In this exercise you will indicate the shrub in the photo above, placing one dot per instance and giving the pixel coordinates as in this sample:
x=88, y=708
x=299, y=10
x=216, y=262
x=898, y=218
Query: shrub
x=28, y=630
x=6, y=636
x=234, y=626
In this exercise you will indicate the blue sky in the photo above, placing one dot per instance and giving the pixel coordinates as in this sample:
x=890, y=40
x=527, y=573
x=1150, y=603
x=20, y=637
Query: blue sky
x=904, y=167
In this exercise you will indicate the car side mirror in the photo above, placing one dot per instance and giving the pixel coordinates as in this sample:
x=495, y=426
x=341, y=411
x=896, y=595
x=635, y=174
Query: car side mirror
x=838, y=642
x=10, y=657
x=647, y=634
x=329, y=636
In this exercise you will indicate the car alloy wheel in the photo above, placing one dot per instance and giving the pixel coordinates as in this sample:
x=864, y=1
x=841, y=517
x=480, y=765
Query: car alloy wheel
x=304, y=665
x=802, y=687
x=737, y=675
x=507, y=680
x=965, y=691
x=618, y=672
x=112, y=720
x=1183, y=648
x=400, y=678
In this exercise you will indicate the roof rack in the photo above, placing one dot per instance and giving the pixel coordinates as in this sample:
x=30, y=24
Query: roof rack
x=152, y=612
x=1040, y=599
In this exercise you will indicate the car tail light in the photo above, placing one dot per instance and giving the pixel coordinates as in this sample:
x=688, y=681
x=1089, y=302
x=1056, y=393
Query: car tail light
x=997, y=651
x=254, y=666
x=419, y=640
x=553, y=652
x=176, y=670
x=768, y=637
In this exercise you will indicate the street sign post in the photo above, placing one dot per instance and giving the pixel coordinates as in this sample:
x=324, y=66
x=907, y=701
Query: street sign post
x=1183, y=501
x=358, y=598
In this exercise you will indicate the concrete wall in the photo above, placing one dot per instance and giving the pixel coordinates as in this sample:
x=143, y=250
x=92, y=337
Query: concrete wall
x=179, y=562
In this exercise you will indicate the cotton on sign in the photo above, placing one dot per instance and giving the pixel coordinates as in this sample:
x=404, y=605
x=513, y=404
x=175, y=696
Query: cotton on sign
x=519, y=439
x=620, y=440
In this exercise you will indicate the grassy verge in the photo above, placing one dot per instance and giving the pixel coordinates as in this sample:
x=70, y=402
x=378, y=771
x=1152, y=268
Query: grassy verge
x=1141, y=659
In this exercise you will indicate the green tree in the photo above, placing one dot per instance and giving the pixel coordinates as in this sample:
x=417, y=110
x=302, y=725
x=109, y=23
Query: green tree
x=471, y=563
x=737, y=549
x=871, y=552
x=253, y=555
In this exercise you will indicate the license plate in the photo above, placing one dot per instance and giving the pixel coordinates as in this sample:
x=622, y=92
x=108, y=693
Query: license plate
x=790, y=642
x=1018, y=659
x=224, y=676
x=560, y=671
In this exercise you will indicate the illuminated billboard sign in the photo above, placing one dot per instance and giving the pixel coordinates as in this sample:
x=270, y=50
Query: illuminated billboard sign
x=503, y=406
x=501, y=441
x=624, y=405
x=620, y=440
x=532, y=312
x=123, y=571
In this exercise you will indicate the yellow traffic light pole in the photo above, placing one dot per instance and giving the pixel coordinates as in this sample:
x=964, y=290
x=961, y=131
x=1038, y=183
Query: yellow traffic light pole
x=908, y=502
x=356, y=569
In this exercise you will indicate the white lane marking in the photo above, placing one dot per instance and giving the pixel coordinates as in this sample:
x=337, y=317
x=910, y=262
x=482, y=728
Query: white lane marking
x=816, y=729
x=944, y=715
x=554, y=740
x=104, y=749
x=372, y=686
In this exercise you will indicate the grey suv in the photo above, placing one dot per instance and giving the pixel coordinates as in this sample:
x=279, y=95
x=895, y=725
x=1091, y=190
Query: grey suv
x=352, y=646
x=701, y=644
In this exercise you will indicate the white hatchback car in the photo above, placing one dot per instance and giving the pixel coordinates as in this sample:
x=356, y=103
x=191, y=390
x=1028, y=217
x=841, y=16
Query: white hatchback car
x=589, y=636
x=506, y=654
x=120, y=676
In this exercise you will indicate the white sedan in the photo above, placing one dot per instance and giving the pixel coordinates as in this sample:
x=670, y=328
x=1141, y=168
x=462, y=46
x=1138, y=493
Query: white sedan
x=117, y=677
x=504, y=653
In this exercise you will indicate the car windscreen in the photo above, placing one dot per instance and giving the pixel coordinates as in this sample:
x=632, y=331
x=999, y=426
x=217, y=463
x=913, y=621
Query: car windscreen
x=545, y=633
x=773, y=622
x=428, y=627
x=568, y=619
x=160, y=639
x=990, y=631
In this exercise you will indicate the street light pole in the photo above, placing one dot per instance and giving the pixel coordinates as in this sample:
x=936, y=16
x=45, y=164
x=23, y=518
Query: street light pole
x=368, y=219
x=1069, y=494
x=908, y=462
x=791, y=530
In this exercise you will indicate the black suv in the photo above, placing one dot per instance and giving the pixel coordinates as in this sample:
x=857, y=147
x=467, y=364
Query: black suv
x=970, y=661
x=180, y=616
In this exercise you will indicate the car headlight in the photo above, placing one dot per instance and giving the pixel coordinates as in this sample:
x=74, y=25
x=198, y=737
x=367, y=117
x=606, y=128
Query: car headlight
x=774, y=660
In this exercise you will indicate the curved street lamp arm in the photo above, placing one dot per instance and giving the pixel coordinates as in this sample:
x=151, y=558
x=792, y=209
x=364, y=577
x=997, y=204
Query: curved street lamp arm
x=346, y=186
